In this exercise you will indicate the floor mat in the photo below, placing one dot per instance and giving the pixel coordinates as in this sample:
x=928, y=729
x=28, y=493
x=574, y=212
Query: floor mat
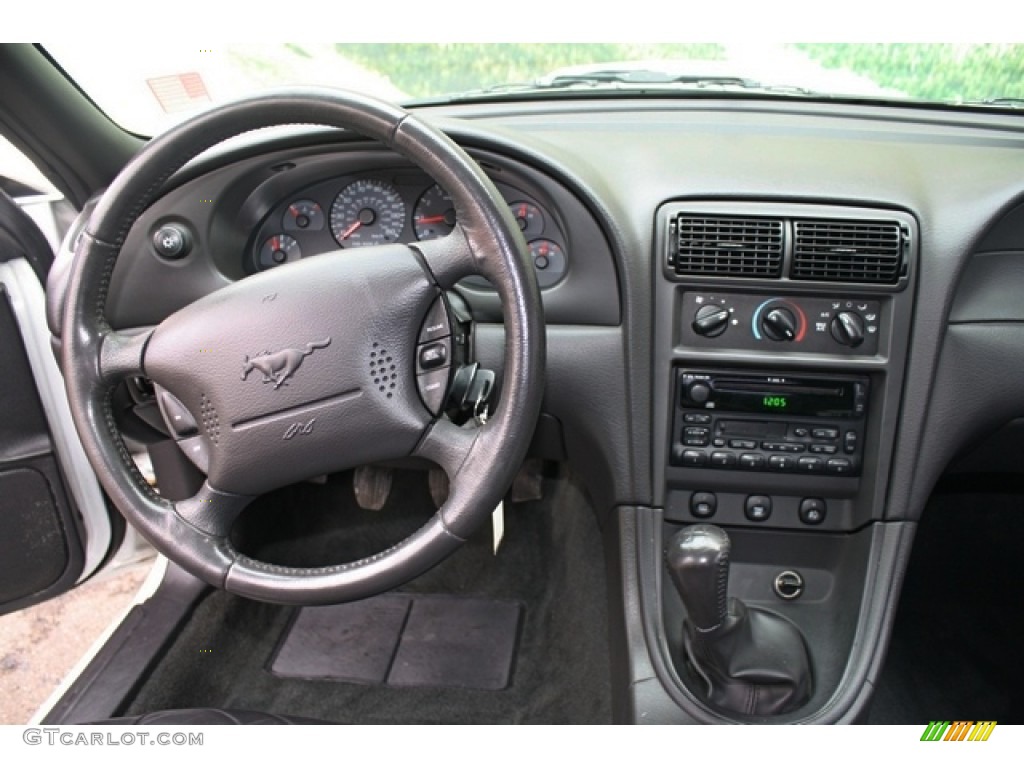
x=405, y=640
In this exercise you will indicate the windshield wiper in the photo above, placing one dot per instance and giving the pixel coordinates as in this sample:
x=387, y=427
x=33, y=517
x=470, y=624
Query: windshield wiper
x=644, y=77
x=1000, y=101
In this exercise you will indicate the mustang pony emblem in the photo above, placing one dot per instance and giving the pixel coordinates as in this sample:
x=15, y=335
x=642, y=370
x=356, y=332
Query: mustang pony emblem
x=278, y=367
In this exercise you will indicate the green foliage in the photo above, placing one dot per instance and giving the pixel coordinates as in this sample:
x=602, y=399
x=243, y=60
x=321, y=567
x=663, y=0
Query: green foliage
x=936, y=72
x=429, y=69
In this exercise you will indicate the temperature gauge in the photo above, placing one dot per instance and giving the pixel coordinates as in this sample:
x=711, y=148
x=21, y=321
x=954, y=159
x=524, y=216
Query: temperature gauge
x=549, y=261
x=528, y=217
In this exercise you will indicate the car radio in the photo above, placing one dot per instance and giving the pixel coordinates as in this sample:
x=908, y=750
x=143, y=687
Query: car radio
x=769, y=422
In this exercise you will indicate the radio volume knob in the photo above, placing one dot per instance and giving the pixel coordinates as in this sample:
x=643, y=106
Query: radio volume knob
x=698, y=392
x=848, y=329
x=711, y=321
x=779, y=324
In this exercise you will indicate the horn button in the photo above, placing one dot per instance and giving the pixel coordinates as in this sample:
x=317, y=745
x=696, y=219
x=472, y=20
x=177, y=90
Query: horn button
x=308, y=369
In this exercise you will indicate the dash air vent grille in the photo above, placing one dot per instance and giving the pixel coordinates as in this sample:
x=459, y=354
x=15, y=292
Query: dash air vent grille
x=726, y=245
x=847, y=251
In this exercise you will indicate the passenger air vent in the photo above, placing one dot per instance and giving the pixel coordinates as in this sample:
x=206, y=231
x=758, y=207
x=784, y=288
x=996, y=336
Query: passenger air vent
x=725, y=245
x=848, y=251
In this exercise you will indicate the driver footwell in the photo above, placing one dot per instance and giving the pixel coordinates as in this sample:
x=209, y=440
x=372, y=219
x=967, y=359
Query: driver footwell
x=541, y=600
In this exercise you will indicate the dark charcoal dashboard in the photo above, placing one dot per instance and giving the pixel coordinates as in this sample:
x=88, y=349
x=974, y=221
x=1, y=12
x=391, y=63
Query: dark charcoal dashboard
x=783, y=320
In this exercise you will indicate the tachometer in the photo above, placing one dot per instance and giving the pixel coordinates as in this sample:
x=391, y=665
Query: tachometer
x=434, y=214
x=367, y=212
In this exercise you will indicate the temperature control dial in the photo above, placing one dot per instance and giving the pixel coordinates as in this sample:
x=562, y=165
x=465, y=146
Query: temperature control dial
x=779, y=324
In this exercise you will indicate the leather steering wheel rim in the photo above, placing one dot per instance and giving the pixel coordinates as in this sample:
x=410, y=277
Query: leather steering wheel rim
x=480, y=461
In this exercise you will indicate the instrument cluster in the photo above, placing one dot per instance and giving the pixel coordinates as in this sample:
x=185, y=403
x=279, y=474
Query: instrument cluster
x=396, y=206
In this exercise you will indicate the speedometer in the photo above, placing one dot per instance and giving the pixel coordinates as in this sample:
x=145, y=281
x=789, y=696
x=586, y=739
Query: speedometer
x=367, y=212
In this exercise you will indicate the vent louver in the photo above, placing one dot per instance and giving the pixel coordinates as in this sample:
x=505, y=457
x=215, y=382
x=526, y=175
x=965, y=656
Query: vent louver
x=847, y=251
x=726, y=245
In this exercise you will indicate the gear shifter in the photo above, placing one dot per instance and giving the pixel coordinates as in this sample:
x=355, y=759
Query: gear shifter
x=752, y=661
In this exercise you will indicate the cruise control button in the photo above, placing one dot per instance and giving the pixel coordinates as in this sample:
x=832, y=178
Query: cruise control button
x=703, y=505
x=723, y=459
x=434, y=355
x=839, y=466
x=435, y=326
x=433, y=385
x=812, y=511
x=758, y=508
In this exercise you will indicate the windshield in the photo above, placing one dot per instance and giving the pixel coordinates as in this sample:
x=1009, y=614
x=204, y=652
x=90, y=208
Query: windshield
x=166, y=84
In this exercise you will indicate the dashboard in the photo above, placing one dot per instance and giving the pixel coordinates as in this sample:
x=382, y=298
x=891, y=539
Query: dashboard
x=807, y=306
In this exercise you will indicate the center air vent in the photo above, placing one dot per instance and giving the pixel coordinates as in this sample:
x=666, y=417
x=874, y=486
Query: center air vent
x=726, y=245
x=847, y=251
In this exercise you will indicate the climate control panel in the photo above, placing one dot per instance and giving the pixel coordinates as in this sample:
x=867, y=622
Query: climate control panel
x=835, y=324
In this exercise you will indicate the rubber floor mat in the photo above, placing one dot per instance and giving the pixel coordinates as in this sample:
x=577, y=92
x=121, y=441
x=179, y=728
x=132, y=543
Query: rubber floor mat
x=404, y=640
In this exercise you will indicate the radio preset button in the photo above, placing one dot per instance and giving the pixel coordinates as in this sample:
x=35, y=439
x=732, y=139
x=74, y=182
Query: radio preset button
x=703, y=505
x=723, y=459
x=691, y=458
x=781, y=463
x=839, y=466
x=751, y=461
x=758, y=508
x=811, y=464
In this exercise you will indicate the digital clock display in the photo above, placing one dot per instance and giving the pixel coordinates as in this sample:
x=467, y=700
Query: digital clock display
x=774, y=402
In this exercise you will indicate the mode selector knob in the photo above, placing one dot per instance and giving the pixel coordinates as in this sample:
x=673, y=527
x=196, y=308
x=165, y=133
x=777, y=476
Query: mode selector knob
x=848, y=329
x=779, y=324
x=711, y=321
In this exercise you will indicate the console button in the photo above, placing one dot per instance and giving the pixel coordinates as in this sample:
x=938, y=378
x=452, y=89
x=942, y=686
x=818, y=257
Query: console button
x=751, y=461
x=435, y=325
x=433, y=355
x=811, y=464
x=801, y=431
x=703, y=505
x=820, y=448
x=758, y=508
x=839, y=466
x=697, y=418
x=812, y=511
x=696, y=436
x=850, y=442
x=825, y=433
x=784, y=447
x=748, y=445
x=723, y=459
x=782, y=463
x=693, y=458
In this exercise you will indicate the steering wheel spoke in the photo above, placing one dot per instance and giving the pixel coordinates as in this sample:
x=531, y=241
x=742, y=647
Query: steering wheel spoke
x=211, y=511
x=448, y=446
x=448, y=258
x=122, y=355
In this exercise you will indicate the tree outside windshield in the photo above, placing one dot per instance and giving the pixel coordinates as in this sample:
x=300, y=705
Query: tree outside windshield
x=165, y=85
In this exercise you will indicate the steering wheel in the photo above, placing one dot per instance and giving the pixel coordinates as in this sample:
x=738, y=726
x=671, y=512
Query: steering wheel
x=351, y=400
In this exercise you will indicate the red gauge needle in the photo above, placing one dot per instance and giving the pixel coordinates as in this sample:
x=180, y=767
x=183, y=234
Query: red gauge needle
x=430, y=219
x=350, y=230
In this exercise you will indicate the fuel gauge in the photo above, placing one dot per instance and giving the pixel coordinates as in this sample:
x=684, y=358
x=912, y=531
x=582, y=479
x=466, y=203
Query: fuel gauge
x=303, y=215
x=277, y=250
x=528, y=217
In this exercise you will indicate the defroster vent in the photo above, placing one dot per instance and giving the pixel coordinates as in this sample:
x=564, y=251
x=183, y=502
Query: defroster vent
x=848, y=251
x=726, y=245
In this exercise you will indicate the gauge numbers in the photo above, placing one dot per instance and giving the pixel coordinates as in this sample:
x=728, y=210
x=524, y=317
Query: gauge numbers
x=434, y=214
x=367, y=212
x=277, y=250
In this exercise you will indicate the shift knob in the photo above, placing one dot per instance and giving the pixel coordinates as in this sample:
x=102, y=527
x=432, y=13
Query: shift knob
x=698, y=562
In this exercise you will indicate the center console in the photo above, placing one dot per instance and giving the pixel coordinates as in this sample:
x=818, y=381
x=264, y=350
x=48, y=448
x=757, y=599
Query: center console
x=781, y=336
